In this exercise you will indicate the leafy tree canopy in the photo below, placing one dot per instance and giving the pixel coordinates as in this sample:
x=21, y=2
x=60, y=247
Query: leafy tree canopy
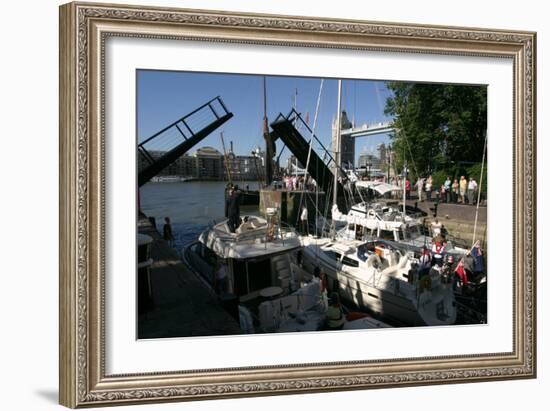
x=439, y=127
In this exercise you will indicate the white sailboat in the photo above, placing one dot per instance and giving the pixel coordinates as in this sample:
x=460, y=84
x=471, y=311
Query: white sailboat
x=383, y=278
x=367, y=220
x=379, y=275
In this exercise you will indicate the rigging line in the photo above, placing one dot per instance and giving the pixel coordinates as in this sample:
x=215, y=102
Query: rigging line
x=310, y=143
x=325, y=214
x=354, y=101
x=479, y=189
x=410, y=152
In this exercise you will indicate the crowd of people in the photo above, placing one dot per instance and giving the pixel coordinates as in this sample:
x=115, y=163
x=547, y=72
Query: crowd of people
x=470, y=267
x=299, y=183
x=458, y=191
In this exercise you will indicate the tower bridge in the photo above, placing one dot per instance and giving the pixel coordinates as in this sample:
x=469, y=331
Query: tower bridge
x=367, y=130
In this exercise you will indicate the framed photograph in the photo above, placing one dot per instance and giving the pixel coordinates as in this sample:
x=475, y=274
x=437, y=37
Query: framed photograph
x=263, y=205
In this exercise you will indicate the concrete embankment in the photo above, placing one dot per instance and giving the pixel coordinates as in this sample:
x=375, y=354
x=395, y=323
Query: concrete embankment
x=458, y=219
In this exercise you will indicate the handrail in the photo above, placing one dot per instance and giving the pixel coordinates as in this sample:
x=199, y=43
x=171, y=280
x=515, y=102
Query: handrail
x=327, y=152
x=182, y=119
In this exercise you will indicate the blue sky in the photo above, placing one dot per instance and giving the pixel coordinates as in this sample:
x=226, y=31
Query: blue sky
x=165, y=96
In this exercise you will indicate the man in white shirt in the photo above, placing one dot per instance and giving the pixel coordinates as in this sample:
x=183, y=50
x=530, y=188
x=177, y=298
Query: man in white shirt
x=420, y=186
x=436, y=228
x=472, y=188
x=303, y=221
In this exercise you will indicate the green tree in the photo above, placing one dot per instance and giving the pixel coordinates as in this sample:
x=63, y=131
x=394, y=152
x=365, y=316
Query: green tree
x=439, y=127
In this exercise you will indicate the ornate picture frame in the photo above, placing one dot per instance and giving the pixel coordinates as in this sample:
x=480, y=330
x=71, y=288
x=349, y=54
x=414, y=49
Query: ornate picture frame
x=84, y=29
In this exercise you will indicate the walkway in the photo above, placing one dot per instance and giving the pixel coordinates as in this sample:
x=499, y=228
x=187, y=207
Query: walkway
x=184, y=305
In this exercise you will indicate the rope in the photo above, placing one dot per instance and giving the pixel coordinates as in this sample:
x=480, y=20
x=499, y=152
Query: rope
x=410, y=152
x=310, y=146
x=479, y=189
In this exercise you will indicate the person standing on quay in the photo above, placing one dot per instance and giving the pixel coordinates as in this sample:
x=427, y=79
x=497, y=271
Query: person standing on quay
x=463, y=185
x=429, y=185
x=303, y=221
x=472, y=186
x=447, y=185
x=407, y=189
x=420, y=187
x=167, y=232
x=455, y=191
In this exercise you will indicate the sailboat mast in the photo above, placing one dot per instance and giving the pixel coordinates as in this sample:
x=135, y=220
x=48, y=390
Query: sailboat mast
x=269, y=146
x=226, y=160
x=337, y=143
x=479, y=190
x=404, y=188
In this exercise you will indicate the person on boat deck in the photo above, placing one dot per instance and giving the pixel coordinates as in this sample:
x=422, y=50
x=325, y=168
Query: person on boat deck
x=447, y=271
x=362, y=253
x=321, y=276
x=477, y=254
x=436, y=227
x=438, y=249
x=335, y=315
x=233, y=209
x=424, y=262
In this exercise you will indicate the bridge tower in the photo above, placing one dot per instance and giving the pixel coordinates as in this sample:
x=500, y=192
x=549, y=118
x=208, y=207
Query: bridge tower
x=347, y=147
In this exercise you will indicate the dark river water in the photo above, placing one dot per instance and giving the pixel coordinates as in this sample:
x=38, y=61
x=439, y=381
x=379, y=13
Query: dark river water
x=192, y=206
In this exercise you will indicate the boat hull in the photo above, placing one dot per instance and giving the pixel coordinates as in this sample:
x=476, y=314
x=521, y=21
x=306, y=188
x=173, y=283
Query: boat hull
x=390, y=303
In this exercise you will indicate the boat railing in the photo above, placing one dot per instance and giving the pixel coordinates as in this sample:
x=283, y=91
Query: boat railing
x=284, y=232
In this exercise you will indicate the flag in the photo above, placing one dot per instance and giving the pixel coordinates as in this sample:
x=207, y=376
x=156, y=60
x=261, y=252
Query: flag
x=307, y=118
x=459, y=270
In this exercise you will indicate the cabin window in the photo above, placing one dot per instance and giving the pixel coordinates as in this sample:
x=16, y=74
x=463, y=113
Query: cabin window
x=346, y=260
x=332, y=255
x=386, y=235
x=251, y=276
x=359, y=232
x=240, y=283
x=350, y=262
x=208, y=255
x=259, y=274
